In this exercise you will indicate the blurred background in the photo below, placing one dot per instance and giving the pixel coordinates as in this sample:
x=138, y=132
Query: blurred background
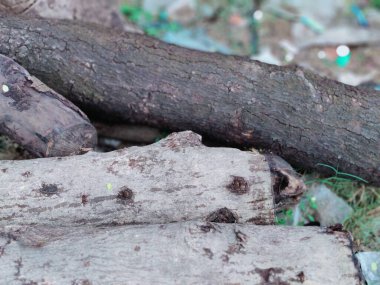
x=338, y=39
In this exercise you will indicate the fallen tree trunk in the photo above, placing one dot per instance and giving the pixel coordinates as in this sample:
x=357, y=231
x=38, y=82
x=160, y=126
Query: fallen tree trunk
x=175, y=179
x=39, y=119
x=178, y=253
x=302, y=117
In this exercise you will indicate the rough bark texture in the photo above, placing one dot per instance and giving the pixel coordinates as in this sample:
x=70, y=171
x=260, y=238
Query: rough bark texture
x=39, y=119
x=178, y=253
x=175, y=179
x=103, y=12
x=302, y=117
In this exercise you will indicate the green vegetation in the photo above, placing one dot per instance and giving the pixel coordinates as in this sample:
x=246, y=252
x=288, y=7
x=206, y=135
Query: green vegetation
x=364, y=223
x=152, y=25
x=376, y=3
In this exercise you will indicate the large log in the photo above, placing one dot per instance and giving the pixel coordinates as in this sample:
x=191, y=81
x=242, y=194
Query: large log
x=305, y=118
x=177, y=253
x=39, y=119
x=175, y=179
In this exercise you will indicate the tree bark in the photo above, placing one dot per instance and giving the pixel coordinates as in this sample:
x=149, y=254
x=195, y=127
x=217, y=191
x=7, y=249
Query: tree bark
x=175, y=179
x=305, y=118
x=177, y=253
x=39, y=119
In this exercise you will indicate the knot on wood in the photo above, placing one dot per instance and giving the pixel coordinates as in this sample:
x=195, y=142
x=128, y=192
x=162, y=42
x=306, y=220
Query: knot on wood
x=238, y=185
x=223, y=215
x=125, y=194
x=48, y=189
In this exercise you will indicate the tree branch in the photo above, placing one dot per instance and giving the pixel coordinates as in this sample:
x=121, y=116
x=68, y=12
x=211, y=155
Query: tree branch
x=305, y=118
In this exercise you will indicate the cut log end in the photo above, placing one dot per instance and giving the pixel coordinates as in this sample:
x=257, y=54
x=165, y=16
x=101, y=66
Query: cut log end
x=39, y=119
x=287, y=184
x=74, y=140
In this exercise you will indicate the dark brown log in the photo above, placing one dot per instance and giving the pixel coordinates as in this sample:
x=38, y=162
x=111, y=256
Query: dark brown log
x=305, y=118
x=175, y=179
x=176, y=253
x=39, y=119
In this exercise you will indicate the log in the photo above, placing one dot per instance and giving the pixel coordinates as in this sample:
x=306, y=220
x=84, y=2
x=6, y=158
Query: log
x=39, y=119
x=102, y=12
x=177, y=253
x=175, y=179
x=302, y=117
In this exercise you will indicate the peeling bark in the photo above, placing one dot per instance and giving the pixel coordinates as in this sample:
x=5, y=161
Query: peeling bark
x=177, y=253
x=175, y=179
x=39, y=119
x=302, y=117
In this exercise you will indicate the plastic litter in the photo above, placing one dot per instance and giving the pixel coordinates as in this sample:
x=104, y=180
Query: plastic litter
x=370, y=264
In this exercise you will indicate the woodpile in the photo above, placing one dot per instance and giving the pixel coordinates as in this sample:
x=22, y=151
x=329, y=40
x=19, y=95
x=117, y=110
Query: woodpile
x=175, y=211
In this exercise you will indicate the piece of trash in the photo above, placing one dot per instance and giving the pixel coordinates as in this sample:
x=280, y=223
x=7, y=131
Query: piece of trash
x=109, y=143
x=237, y=20
x=109, y=186
x=289, y=57
x=266, y=56
x=182, y=11
x=359, y=15
x=344, y=35
x=291, y=50
x=322, y=54
x=195, y=39
x=374, y=267
x=289, y=47
x=323, y=205
x=258, y=15
x=5, y=88
x=305, y=20
x=343, y=55
x=370, y=265
x=312, y=24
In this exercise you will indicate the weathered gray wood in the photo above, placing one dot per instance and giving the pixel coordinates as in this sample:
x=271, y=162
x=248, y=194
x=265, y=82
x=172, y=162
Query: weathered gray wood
x=103, y=12
x=177, y=253
x=175, y=179
x=36, y=117
x=300, y=116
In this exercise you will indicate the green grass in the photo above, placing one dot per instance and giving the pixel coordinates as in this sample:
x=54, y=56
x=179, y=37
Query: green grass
x=365, y=201
x=364, y=223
